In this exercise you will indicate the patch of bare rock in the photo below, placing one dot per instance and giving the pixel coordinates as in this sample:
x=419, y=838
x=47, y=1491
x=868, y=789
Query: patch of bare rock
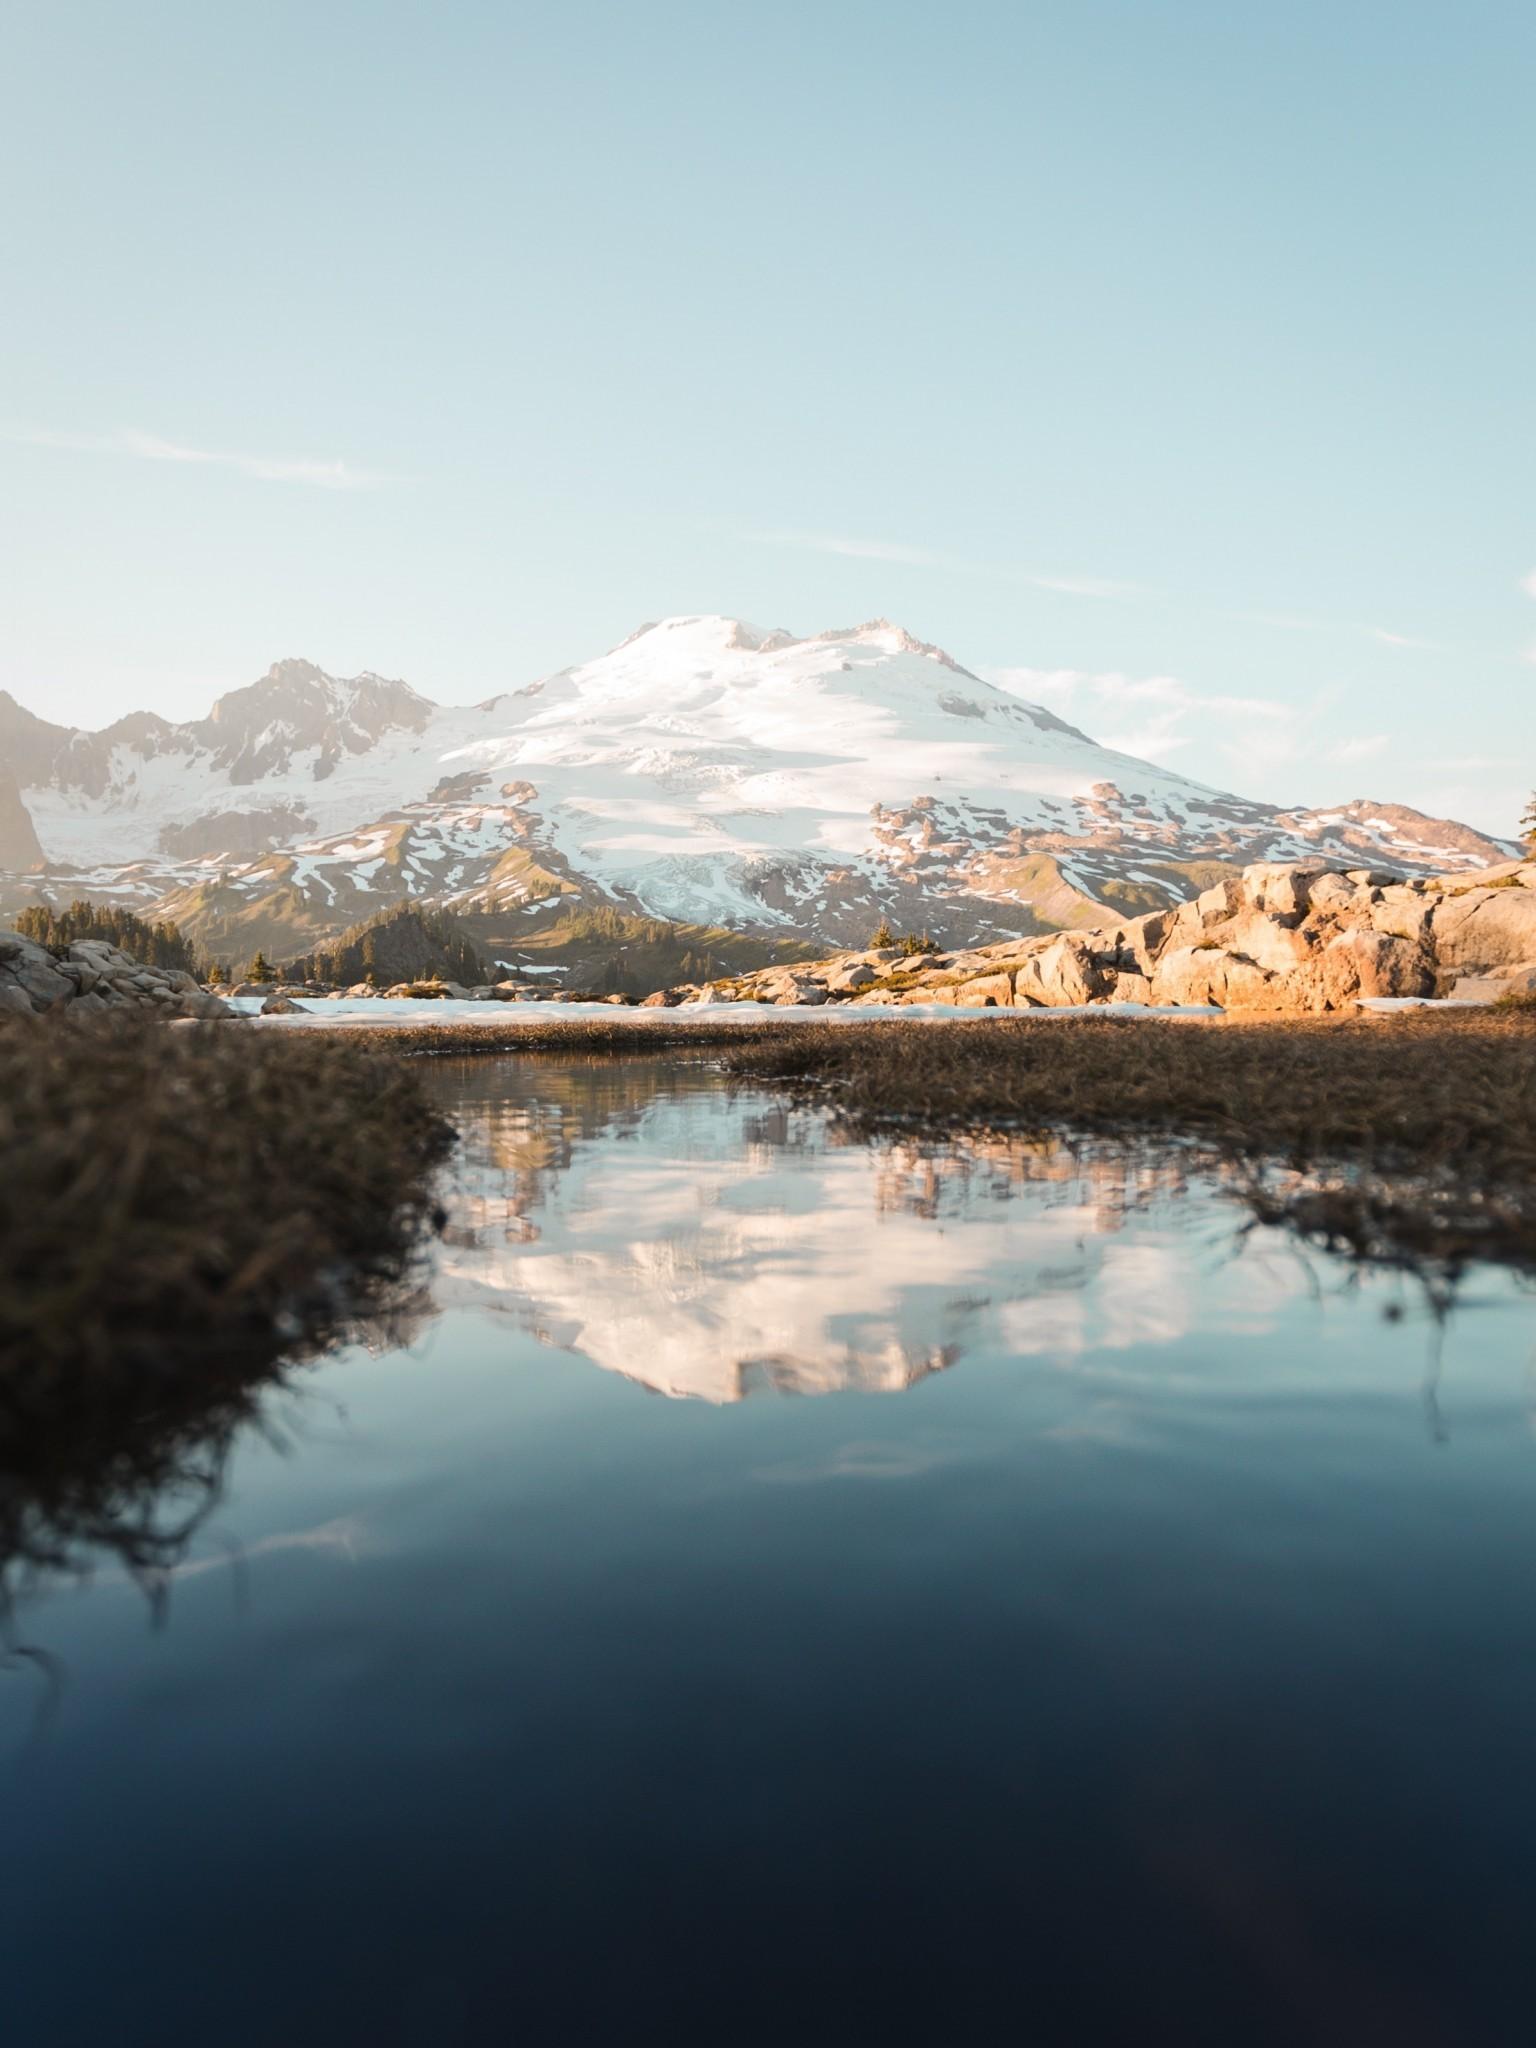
x=1285, y=940
x=90, y=976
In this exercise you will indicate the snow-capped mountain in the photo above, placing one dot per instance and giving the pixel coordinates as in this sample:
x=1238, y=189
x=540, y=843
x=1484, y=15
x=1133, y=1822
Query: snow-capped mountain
x=703, y=771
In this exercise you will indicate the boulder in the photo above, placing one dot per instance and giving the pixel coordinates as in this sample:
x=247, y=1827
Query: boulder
x=1066, y=971
x=1331, y=895
x=848, y=980
x=1131, y=988
x=32, y=969
x=1485, y=931
x=1277, y=947
x=1209, y=974
x=1353, y=964
x=1278, y=890
x=1139, y=944
x=1402, y=913
x=1487, y=988
x=986, y=992
x=281, y=1006
x=1221, y=901
x=202, y=1002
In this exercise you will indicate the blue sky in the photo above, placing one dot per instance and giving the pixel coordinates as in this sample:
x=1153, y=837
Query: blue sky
x=1179, y=355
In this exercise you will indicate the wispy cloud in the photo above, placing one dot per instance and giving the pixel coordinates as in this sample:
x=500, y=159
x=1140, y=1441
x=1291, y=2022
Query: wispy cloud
x=859, y=548
x=1285, y=622
x=852, y=547
x=334, y=475
x=1141, y=715
x=1085, y=586
x=864, y=550
x=1363, y=748
x=1403, y=640
x=1528, y=584
x=1302, y=622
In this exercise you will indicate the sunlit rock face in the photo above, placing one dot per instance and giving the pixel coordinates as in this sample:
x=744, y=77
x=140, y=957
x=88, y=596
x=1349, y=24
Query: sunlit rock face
x=715, y=1247
x=1286, y=938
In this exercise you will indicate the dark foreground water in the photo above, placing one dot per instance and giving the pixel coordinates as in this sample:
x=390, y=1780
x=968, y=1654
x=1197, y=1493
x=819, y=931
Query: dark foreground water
x=1133, y=1640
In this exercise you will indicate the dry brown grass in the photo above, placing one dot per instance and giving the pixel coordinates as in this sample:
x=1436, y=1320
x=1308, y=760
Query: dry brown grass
x=623, y=1030
x=1411, y=1136
x=179, y=1211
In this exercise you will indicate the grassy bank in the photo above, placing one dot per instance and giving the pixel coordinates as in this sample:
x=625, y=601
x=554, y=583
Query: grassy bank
x=180, y=1211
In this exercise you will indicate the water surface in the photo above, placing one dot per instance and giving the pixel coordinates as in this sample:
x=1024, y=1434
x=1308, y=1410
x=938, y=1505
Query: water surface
x=775, y=1587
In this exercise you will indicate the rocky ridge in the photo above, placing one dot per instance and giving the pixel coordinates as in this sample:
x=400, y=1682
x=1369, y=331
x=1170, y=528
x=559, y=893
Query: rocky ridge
x=90, y=976
x=1278, y=938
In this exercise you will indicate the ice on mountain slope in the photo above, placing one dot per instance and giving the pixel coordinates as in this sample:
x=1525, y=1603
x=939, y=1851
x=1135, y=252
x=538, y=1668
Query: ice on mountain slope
x=704, y=770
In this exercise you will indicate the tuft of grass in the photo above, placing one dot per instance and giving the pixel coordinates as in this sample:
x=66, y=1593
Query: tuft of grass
x=181, y=1212
x=1500, y=882
x=1522, y=1001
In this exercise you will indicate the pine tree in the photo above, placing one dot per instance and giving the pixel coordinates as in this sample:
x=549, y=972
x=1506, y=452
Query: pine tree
x=260, y=968
x=159, y=945
x=883, y=935
x=1528, y=822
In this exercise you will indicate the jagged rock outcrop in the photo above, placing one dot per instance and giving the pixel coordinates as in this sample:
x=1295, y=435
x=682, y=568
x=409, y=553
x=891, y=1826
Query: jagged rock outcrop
x=91, y=976
x=1281, y=938
x=20, y=847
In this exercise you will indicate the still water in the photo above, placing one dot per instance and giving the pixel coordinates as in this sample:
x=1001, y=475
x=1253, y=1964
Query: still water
x=775, y=1587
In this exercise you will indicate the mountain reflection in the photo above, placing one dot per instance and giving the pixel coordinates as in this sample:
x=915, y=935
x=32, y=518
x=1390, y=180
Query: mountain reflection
x=715, y=1243
x=710, y=1245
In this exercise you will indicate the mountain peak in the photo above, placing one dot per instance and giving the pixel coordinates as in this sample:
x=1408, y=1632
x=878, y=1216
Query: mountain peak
x=709, y=632
x=294, y=669
x=889, y=638
x=706, y=633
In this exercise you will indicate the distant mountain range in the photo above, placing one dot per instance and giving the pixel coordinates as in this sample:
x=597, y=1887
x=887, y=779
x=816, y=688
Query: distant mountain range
x=704, y=772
